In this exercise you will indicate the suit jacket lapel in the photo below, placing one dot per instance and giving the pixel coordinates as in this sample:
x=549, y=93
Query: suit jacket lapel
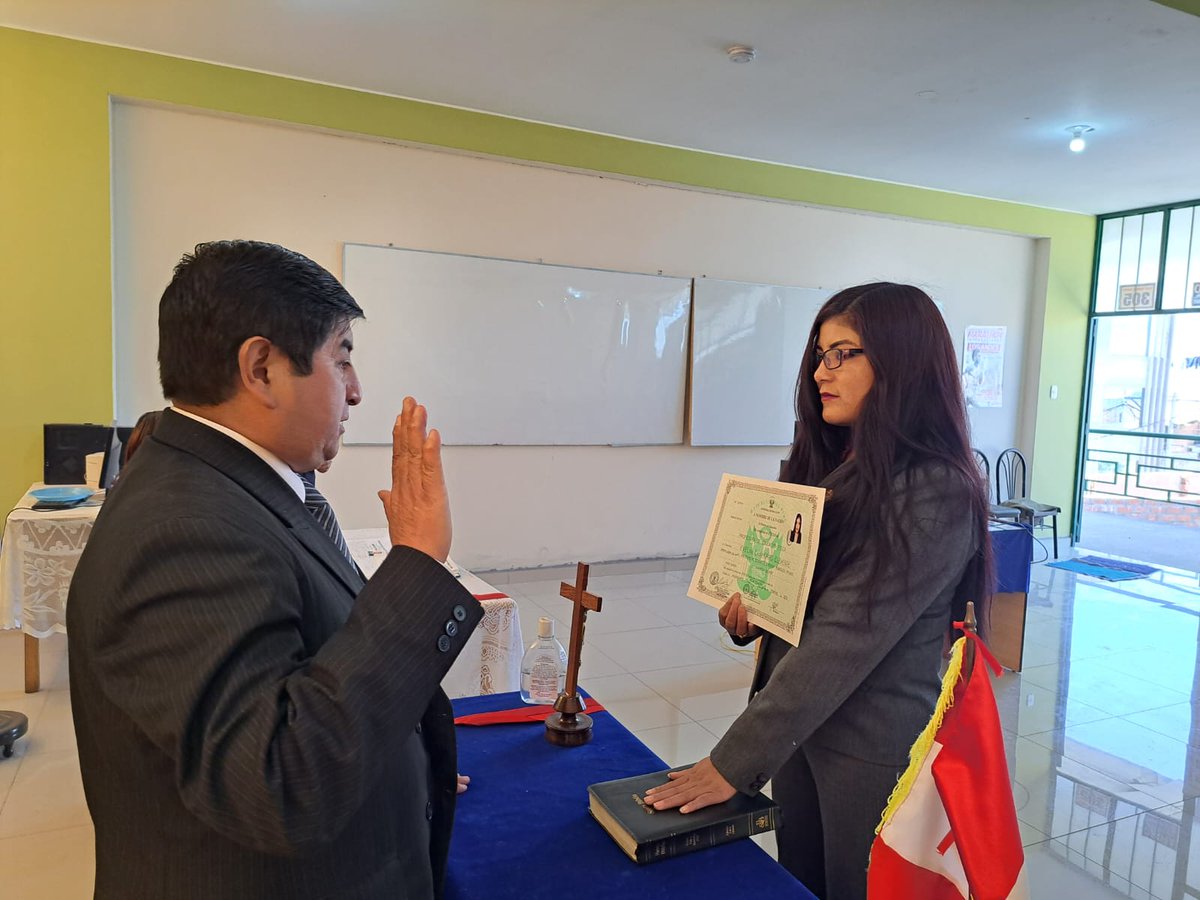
x=242, y=466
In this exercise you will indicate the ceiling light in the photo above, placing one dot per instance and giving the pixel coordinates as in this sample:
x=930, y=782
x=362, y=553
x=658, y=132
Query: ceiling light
x=740, y=53
x=1077, y=142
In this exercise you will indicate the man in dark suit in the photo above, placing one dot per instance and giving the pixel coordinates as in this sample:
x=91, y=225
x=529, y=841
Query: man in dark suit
x=253, y=721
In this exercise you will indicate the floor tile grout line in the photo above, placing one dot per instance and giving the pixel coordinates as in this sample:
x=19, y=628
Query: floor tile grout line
x=44, y=831
x=669, y=701
x=1060, y=727
x=12, y=784
x=1067, y=834
x=1123, y=718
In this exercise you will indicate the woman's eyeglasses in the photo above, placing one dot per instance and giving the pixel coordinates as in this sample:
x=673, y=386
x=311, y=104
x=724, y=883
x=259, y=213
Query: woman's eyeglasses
x=834, y=358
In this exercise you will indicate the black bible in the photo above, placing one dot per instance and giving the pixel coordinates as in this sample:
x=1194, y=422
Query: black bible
x=648, y=835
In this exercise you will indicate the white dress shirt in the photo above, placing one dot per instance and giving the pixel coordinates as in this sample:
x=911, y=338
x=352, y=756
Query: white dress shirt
x=290, y=478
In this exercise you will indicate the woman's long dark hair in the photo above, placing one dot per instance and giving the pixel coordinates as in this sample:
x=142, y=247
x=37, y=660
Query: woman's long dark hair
x=914, y=413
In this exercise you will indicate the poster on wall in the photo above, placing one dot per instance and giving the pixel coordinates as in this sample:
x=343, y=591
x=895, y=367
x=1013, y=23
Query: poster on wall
x=983, y=365
x=1196, y=294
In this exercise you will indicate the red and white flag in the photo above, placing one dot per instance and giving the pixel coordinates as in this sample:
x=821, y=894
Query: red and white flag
x=950, y=828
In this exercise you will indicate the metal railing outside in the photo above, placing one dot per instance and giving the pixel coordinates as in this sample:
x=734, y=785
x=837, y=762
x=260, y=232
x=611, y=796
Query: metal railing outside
x=1162, y=466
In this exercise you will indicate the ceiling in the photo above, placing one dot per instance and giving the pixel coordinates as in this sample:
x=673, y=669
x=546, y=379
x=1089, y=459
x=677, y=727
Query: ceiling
x=967, y=96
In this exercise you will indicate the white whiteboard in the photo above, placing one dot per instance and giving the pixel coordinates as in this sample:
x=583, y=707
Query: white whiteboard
x=508, y=352
x=747, y=347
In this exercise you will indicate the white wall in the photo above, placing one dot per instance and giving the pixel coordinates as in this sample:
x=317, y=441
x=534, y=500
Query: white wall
x=180, y=178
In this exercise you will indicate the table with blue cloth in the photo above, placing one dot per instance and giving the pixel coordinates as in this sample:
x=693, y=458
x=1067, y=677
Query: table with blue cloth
x=1012, y=550
x=1012, y=547
x=523, y=830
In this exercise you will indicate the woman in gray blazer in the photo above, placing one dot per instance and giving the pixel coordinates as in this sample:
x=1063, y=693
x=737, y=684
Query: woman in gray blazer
x=882, y=425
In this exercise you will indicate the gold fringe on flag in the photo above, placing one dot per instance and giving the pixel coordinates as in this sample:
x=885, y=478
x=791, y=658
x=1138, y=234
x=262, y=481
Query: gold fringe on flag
x=924, y=743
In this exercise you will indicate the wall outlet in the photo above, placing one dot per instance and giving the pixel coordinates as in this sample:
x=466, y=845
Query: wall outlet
x=1054, y=392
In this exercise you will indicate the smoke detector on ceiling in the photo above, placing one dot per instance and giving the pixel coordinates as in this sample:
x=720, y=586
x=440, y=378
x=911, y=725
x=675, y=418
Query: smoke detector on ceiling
x=740, y=53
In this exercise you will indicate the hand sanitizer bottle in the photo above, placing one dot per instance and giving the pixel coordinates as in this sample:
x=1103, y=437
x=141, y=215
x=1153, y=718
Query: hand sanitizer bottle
x=544, y=666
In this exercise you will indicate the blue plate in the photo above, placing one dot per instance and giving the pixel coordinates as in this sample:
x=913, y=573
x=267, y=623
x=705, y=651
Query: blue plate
x=62, y=494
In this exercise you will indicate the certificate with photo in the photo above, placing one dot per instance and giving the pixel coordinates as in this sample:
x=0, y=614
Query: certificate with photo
x=762, y=540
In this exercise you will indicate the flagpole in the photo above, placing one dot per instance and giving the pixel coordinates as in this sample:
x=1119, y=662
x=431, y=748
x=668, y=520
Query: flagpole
x=970, y=623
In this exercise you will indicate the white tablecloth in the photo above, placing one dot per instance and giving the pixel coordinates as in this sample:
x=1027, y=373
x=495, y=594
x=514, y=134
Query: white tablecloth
x=40, y=550
x=490, y=663
x=38, y=554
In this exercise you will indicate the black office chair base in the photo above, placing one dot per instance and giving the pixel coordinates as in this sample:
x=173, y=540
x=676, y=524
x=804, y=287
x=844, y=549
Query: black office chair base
x=12, y=726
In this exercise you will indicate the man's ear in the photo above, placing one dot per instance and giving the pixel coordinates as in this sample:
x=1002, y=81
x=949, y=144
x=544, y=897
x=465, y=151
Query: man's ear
x=256, y=358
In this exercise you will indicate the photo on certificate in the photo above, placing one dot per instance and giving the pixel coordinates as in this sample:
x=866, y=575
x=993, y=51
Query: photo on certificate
x=761, y=540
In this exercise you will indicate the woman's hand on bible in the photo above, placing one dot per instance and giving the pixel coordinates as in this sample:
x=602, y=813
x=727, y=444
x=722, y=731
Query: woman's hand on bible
x=692, y=789
x=463, y=782
x=733, y=619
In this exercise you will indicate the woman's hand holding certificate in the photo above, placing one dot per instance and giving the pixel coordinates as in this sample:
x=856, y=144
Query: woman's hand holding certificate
x=735, y=619
x=761, y=542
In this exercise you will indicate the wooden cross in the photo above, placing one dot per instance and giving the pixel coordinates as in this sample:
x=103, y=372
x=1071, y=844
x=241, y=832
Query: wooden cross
x=568, y=726
x=577, y=593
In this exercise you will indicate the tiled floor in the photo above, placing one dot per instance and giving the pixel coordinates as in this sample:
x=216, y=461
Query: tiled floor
x=1101, y=726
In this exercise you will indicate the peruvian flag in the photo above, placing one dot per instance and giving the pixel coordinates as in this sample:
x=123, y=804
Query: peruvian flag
x=950, y=829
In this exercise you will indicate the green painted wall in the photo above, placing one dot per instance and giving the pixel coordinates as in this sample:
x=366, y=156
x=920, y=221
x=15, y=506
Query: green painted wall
x=55, y=241
x=1191, y=7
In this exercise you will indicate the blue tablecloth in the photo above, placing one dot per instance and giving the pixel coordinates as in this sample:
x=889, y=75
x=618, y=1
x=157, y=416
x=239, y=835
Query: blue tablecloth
x=1012, y=547
x=523, y=829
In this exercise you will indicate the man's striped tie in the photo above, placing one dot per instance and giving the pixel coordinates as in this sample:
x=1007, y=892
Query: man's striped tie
x=316, y=504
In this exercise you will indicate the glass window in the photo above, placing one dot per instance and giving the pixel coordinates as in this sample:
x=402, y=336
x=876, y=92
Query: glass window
x=1146, y=376
x=1110, y=257
x=1127, y=279
x=1181, y=280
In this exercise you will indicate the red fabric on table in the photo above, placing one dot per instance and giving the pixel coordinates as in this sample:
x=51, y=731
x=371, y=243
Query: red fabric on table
x=490, y=596
x=519, y=715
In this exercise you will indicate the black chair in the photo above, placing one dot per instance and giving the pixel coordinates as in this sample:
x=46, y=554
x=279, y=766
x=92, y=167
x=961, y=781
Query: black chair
x=995, y=510
x=12, y=726
x=1010, y=491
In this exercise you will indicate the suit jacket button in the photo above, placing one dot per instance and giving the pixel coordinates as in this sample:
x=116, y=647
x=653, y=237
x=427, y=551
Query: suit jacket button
x=429, y=810
x=451, y=628
x=460, y=613
x=443, y=643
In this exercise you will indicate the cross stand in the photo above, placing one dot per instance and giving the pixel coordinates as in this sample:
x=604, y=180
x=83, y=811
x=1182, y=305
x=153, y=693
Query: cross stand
x=568, y=726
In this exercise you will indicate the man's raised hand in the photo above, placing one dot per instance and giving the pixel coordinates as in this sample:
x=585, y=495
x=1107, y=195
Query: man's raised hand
x=417, y=506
